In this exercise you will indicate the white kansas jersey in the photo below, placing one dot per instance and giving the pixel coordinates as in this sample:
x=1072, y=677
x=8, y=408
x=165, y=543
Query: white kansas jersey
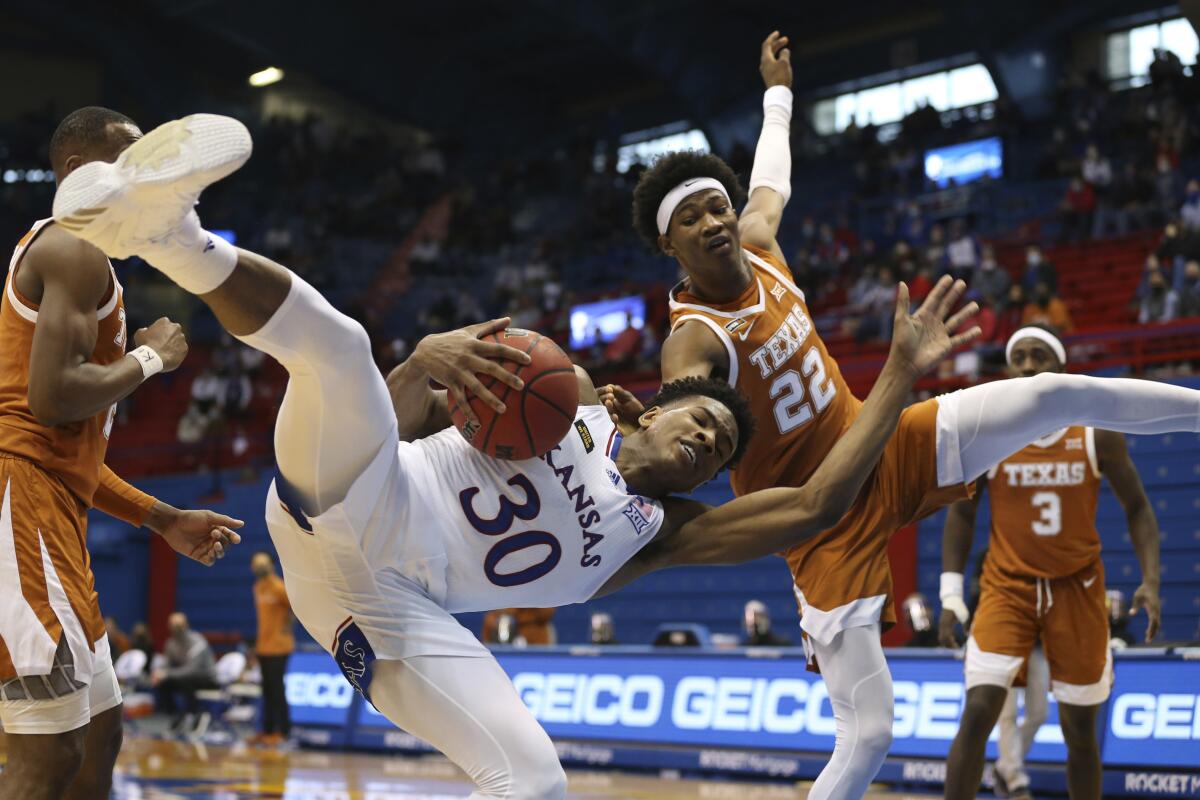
x=541, y=532
x=464, y=530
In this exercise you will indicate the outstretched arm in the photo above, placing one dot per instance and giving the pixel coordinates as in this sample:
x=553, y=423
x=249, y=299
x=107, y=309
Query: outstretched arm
x=771, y=176
x=456, y=360
x=1112, y=451
x=771, y=520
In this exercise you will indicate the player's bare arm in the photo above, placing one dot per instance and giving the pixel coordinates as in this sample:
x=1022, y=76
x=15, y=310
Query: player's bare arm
x=772, y=520
x=1115, y=464
x=458, y=360
x=770, y=180
x=957, y=537
x=203, y=536
x=691, y=350
x=68, y=278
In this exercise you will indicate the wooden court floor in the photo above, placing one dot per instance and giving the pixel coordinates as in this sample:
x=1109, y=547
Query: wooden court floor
x=157, y=770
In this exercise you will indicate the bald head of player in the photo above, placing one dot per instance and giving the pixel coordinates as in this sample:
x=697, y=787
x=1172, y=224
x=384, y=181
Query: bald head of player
x=1033, y=350
x=690, y=431
x=90, y=134
x=683, y=207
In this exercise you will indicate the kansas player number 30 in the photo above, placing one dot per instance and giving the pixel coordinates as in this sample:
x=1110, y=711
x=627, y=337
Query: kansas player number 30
x=500, y=524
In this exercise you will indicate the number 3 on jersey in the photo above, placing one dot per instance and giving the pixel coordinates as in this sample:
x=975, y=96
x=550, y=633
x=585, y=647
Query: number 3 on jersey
x=500, y=525
x=1050, y=521
x=791, y=408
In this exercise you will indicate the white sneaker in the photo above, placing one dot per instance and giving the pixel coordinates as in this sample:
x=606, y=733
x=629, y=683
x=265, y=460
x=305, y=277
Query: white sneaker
x=151, y=188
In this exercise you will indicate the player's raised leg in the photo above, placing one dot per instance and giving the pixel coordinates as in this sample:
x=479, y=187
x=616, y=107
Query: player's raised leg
x=336, y=413
x=981, y=426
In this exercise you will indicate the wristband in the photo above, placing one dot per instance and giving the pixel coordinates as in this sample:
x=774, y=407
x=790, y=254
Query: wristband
x=148, y=359
x=951, y=595
x=779, y=97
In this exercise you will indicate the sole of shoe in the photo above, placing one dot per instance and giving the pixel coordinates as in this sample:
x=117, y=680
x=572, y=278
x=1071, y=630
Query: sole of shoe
x=179, y=157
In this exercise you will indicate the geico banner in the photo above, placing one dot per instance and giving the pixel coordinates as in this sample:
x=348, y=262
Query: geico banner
x=316, y=691
x=729, y=701
x=752, y=703
x=1154, y=714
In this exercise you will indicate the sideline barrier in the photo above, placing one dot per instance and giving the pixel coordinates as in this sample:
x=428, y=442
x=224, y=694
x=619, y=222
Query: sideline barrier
x=757, y=711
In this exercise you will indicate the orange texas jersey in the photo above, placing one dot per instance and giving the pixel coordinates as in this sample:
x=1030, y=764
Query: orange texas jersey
x=74, y=452
x=778, y=361
x=1044, y=506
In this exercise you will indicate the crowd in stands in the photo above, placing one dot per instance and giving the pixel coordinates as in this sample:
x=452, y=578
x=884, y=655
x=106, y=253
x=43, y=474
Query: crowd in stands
x=408, y=236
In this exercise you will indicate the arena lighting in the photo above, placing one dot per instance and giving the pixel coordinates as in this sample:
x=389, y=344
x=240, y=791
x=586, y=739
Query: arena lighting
x=265, y=77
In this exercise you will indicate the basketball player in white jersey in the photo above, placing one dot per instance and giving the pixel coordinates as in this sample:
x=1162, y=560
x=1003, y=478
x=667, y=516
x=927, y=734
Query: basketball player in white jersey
x=380, y=542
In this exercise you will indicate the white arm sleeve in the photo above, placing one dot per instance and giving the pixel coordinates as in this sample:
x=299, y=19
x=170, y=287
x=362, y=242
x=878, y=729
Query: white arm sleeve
x=773, y=156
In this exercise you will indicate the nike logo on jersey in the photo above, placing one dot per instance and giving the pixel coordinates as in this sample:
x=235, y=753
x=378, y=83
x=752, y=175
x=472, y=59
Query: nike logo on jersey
x=209, y=245
x=1088, y=583
x=746, y=332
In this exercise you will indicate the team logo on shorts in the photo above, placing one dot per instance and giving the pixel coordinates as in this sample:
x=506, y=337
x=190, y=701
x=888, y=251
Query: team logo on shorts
x=589, y=444
x=355, y=657
x=636, y=516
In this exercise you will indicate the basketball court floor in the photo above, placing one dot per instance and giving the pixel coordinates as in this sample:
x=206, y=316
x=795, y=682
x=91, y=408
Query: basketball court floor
x=158, y=770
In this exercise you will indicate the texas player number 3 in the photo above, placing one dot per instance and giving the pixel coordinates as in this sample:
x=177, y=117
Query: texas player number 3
x=791, y=408
x=1049, y=504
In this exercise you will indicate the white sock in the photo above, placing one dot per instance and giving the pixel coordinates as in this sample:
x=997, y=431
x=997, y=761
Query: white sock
x=195, y=259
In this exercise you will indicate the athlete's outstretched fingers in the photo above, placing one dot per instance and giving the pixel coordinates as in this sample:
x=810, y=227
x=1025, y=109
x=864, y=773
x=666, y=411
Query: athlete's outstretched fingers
x=481, y=329
x=934, y=298
x=963, y=314
x=953, y=295
x=967, y=336
x=902, y=301
x=502, y=352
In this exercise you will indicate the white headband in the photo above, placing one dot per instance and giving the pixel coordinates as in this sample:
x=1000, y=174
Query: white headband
x=1042, y=335
x=674, y=197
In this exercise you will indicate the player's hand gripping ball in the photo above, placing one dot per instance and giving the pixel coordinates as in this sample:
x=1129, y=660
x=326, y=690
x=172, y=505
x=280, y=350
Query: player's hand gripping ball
x=536, y=417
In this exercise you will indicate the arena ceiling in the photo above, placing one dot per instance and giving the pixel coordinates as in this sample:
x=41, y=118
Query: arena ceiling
x=469, y=68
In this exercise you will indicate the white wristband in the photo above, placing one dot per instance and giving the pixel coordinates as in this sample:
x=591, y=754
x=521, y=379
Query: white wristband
x=148, y=359
x=951, y=595
x=780, y=96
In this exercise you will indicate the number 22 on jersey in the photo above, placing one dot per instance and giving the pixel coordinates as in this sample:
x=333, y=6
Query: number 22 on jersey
x=792, y=408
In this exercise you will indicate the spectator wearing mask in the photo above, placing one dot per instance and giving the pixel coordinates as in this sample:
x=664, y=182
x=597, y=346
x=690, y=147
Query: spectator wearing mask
x=1189, y=212
x=990, y=281
x=273, y=647
x=756, y=627
x=1161, y=303
x=962, y=254
x=190, y=667
x=1038, y=270
x=1047, y=310
x=1189, y=290
x=1078, y=209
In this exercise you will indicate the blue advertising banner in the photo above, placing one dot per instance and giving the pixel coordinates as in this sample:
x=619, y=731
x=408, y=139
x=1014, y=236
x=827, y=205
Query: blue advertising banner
x=766, y=701
x=1154, y=715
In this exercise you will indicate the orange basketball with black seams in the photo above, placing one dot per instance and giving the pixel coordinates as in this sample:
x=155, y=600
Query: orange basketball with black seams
x=536, y=417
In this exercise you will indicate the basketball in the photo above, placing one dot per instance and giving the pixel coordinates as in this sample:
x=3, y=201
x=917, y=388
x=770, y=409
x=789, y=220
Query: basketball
x=538, y=416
